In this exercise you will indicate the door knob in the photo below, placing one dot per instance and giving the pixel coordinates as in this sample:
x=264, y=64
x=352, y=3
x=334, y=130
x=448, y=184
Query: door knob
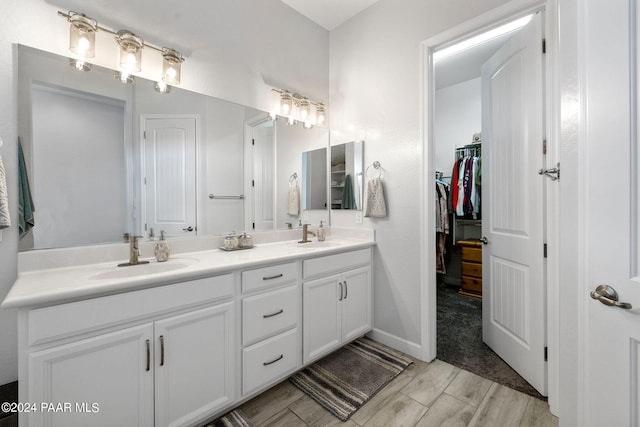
x=484, y=240
x=608, y=296
x=189, y=228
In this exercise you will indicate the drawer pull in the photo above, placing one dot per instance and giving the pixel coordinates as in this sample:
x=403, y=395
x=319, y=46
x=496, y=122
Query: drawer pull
x=161, y=350
x=273, y=277
x=148, y=355
x=266, y=316
x=274, y=360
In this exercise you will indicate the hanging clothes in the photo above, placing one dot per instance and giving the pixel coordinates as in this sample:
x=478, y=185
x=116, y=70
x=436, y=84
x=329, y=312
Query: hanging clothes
x=465, y=184
x=442, y=224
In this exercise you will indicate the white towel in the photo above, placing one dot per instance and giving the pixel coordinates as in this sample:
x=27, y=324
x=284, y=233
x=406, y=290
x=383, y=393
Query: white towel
x=5, y=221
x=376, y=206
x=293, y=201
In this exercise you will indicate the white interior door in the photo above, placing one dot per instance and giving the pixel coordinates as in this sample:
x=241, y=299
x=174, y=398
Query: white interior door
x=513, y=304
x=263, y=178
x=611, y=348
x=170, y=175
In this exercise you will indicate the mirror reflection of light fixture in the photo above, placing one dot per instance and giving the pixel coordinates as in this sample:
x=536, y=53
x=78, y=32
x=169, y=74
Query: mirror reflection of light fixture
x=297, y=108
x=82, y=35
x=124, y=77
x=130, y=51
x=286, y=103
x=79, y=64
x=320, y=113
x=162, y=87
x=171, y=60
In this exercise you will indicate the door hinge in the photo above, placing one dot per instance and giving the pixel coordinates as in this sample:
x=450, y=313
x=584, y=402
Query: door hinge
x=544, y=146
x=544, y=45
x=546, y=354
x=545, y=250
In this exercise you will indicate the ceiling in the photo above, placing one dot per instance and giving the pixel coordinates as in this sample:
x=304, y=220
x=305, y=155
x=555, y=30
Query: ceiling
x=329, y=13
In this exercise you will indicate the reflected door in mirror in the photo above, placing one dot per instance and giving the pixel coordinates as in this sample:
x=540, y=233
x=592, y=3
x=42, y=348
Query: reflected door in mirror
x=170, y=175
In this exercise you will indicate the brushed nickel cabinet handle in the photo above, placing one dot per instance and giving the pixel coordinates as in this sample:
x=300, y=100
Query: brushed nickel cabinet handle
x=341, y=291
x=346, y=290
x=266, y=316
x=273, y=277
x=148, y=355
x=273, y=361
x=161, y=350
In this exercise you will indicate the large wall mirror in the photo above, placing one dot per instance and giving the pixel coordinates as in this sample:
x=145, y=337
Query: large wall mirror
x=105, y=158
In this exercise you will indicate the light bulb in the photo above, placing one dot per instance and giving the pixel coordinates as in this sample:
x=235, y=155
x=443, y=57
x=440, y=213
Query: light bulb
x=83, y=45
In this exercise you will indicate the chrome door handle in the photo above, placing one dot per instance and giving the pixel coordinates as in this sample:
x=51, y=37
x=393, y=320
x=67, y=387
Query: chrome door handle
x=553, y=173
x=484, y=240
x=189, y=228
x=161, y=350
x=608, y=296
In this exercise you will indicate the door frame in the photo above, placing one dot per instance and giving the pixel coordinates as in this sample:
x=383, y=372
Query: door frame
x=482, y=23
x=199, y=168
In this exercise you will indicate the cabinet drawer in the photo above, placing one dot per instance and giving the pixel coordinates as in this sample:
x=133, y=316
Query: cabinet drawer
x=269, y=360
x=472, y=254
x=471, y=269
x=336, y=263
x=269, y=313
x=269, y=276
x=61, y=321
x=472, y=284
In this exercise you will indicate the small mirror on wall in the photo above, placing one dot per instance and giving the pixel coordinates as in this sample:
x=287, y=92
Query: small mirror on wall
x=347, y=175
x=314, y=179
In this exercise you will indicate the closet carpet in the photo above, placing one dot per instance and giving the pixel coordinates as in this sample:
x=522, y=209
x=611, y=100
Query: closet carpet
x=460, y=341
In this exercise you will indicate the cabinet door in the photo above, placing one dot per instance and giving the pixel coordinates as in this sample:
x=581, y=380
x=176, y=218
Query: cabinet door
x=321, y=317
x=356, y=303
x=195, y=364
x=113, y=371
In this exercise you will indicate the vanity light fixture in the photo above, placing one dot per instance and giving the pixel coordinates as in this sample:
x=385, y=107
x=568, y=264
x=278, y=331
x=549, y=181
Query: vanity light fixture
x=130, y=51
x=82, y=35
x=82, y=43
x=79, y=64
x=171, y=60
x=297, y=108
x=162, y=87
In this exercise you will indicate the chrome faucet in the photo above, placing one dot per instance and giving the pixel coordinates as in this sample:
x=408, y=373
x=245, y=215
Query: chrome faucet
x=134, y=252
x=305, y=234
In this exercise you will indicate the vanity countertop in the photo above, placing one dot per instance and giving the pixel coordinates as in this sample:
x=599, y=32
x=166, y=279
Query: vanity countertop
x=61, y=285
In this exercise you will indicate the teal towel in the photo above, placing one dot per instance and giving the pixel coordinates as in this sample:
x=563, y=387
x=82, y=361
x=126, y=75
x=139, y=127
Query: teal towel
x=25, y=202
x=348, y=201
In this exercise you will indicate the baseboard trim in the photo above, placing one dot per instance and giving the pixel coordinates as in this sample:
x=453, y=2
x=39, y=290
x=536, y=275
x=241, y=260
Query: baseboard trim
x=405, y=346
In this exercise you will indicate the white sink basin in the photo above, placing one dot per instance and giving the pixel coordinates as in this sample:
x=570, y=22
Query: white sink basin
x=153, y=267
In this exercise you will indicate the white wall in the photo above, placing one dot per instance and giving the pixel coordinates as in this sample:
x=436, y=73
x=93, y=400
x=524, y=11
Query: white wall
x=239, y=61
x=375, y=95
x=458, y=115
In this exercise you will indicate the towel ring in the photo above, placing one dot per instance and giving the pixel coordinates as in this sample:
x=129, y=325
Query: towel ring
x=377, y=167
x=293, y=179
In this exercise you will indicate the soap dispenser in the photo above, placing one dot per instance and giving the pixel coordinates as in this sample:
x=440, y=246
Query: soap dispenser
x=321, y=233
x=162, y=249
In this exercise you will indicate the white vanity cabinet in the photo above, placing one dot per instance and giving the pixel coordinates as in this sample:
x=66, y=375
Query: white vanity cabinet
x=163, y=356
x=270, y=325
x=337, y=301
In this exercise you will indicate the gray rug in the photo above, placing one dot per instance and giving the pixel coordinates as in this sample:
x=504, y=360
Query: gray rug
x=235, y=418
x=345, y=380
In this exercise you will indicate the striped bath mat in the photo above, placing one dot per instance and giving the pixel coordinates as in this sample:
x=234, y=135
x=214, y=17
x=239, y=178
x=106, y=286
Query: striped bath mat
x=235, y=418
x=345, y=380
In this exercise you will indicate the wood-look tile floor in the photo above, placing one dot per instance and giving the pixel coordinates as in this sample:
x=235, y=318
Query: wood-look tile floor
x=426, y=394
